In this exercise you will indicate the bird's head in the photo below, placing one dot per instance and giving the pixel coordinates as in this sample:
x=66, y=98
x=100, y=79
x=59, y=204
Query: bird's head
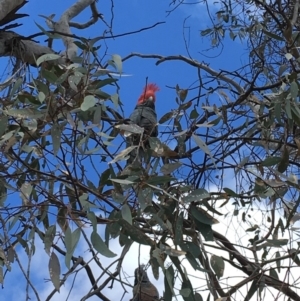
x=148, y=94
x=140, y=274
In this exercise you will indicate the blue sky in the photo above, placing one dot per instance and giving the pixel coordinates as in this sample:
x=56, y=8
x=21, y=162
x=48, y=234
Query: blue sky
x=165, y=39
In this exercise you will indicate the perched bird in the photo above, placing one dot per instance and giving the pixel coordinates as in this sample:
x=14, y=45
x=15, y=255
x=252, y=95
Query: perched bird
x=144, y=115
x=143, y=289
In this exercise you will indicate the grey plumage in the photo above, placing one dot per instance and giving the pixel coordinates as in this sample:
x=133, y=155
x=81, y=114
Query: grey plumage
x=144, y=115
x=143, y=289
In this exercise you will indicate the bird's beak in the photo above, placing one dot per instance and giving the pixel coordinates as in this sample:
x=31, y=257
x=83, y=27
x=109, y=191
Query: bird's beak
x=150, y=98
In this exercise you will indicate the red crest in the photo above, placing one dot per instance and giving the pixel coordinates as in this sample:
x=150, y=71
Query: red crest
x=149, y=91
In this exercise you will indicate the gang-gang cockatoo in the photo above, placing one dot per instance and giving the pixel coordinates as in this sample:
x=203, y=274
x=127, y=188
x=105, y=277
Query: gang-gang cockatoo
x=144, y=115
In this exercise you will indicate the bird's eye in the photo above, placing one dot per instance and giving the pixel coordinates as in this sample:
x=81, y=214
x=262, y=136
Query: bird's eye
x=150, y=98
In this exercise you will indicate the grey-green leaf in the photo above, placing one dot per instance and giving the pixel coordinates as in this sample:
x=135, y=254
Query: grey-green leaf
x=270, y=161
x=88, y=102
x=117, y=60
x=218, y=265
x=56, y=135
x=196, y=195
x=145, y=197
x=100, y=246
x=54, y=270
x=170, y=167
x=201, y=144
x=126, y=213
x=47, y=57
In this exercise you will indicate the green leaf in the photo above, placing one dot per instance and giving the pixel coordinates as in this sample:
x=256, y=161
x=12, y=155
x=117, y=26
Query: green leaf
x=270, y=161
x=230, y=192
x=88, y=102
x=68, y=244
x=278, y=261
x=47, y=33
x=166, y=117
x=104, y=178
x=169, y=283
x=75, y=238
x=120, y=181
x=284, y=163
x=288, y=56
x=3, y=124
x=277, y=111
x=3, y=192
x=100, y=94
x=136, y=234
x=201, y=144
x=56, y=135
x=155, y=143
x=25, y=113
x=273, y=36
x=194, y=114
x=183, y=94
x=113, y=228
x=49, y=237
x=275, y=243
x=293, y=253
x=16, y=85
x=154, y=263
x=294, y=90
x=218, y=265
x=170, y=167
x=204, y=229
x=100, y=246
x=159, y=180
x=191, y=248
x=117, y=61
x=74, y=80
x=196, y=195
x=274, y=274
x=97, y=115
x=62, y=219
x=145, y=197
x=193, y=262
x=92, y=217
x=170, y=251
x=282, y=69
x=206, y=32
x=243, y=162
x=115, y=99
x=252, y=290
x=126, y=213
x=296, y=114
x=202, y=216
x=187, y=290
x=198, y=297
x=179, y=229
x=288, y=109
x=160, y=256
x=99, y=83
x=47, y=57
x=54, y=270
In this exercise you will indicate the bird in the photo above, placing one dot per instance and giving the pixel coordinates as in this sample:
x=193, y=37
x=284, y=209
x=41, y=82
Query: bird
x=144, y=115
x=143, y=289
